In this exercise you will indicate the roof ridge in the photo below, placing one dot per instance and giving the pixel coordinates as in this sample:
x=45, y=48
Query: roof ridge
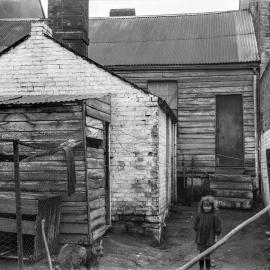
x=171, y=15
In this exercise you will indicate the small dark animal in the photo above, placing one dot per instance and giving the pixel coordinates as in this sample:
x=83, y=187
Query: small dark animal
x=79, y=257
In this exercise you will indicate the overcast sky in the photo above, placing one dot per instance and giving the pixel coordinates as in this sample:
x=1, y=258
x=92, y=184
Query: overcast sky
x=100, y=8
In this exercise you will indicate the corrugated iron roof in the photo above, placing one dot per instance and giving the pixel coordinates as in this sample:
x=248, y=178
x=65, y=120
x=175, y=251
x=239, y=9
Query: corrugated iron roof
x=21, y=9
x=12, y=31
x=41, y=99
x=204, y=38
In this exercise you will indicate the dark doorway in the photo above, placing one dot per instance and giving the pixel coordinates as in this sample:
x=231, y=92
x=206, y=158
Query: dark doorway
x=229, y=131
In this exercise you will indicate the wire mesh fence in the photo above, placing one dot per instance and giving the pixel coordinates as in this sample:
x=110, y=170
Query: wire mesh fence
x=22, y=210
x=11, y=242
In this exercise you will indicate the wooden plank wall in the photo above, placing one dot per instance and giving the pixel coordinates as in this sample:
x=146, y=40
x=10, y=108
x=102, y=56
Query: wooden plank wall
x=48, y=174
x=97, y=113
x=43, y=124
x=48, y=124
x=196, y=110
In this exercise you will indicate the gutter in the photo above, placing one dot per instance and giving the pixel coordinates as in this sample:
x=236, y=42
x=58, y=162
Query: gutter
x=209, y=66
x=163, y=104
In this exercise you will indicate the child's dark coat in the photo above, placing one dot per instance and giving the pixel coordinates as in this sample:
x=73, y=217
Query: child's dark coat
x=207, y=226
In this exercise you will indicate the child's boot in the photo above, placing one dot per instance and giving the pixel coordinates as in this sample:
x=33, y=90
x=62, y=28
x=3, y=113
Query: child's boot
x=208, y=264
x=201, y=263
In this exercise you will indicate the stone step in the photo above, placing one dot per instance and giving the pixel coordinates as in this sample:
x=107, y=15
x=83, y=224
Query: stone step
x=243, y=194
x=234, y=203
x=231, y=185
x=231, y=178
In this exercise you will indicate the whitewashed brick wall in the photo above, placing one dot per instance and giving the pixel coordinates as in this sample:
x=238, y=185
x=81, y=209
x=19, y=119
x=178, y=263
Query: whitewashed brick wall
x=162, y=162
x=165, y=153
x=265, y=144
x=41, y=66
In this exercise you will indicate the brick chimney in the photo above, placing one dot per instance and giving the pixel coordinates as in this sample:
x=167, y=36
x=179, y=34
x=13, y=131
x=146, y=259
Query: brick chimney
x=69, y=22
x=260, y=11
x=122, y=12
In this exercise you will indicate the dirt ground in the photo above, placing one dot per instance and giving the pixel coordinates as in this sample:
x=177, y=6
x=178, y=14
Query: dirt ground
x=248, y=250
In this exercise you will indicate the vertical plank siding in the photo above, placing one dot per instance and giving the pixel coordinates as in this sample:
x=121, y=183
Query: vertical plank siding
x=197, y=110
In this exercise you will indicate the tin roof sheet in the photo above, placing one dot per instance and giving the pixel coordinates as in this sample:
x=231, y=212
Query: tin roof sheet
x=10, y=9
x=204, y=38
x=12, y=31
x=41, y=99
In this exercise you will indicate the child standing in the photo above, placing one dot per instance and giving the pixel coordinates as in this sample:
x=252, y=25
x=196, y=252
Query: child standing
x=207, y=226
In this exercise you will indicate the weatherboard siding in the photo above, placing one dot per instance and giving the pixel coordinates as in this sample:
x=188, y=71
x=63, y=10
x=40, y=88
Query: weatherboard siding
x=197, y=110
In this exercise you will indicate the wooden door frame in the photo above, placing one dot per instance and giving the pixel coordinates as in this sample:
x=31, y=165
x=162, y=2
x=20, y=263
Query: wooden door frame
x=216, y=119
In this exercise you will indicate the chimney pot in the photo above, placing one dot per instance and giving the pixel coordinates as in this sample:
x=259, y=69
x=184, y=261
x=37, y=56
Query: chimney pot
x=122, y=12
x=243, y=4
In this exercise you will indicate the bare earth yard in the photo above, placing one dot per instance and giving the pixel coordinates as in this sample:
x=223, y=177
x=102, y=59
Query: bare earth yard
x=248, y=250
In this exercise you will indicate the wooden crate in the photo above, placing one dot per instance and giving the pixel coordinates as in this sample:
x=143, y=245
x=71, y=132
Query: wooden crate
x=34, y=208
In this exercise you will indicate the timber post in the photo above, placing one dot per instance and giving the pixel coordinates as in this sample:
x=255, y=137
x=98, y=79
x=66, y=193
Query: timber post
x=18, y=203
x=192, y=178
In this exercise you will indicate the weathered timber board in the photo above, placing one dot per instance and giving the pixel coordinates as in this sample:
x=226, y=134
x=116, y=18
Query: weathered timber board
x=99, y=231
x=95, y=163
x=77, y=228
x=94, y=123
x=43, y=135
x=99, y=106
x=10, y=225
x=41, y=176
x=95, y=214
x=98, y=114
x=28, y=207
x=94, y=133
x=96, y=193
x=74, y=218
x=41, y=109
x=98, y=222
x=95, y=153
x=40, y=116
x=41, y=125
x=41, y=166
